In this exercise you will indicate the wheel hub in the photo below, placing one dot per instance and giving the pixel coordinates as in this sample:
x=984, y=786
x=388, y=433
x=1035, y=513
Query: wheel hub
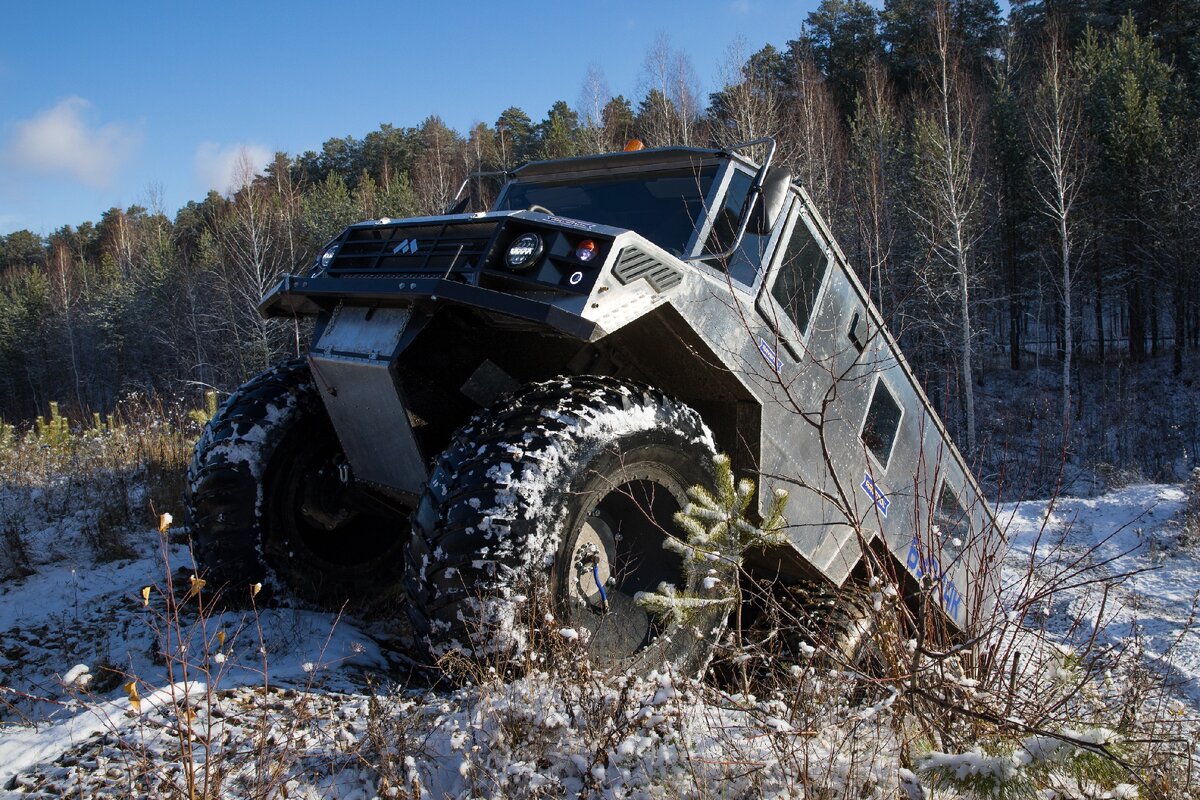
x=595, y=549
x=323, y=501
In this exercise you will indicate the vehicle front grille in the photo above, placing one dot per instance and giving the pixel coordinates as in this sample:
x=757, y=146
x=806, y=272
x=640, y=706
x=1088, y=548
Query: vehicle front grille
x=413, y=250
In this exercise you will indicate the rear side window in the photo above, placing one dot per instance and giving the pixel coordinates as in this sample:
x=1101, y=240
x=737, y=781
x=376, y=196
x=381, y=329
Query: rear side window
x=882, y=422
x=953, y=523
x=801, y=273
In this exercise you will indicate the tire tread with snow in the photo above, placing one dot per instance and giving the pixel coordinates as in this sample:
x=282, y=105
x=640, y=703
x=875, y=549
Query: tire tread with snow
x=840, y=621
x=245, y=499
x=507, y=499
x=226, y=471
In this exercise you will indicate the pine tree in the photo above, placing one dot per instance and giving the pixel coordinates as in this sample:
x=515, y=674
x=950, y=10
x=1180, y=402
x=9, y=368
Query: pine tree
x=618, y=122
x=514, y=137
x=843, y=39
x=717, y=533
x=557, y=134
x=1127, y=93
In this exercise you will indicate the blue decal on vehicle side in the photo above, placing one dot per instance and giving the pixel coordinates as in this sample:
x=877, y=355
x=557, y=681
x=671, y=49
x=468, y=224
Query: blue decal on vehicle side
x=770, y=355
x=920, y=566
x=876, y=493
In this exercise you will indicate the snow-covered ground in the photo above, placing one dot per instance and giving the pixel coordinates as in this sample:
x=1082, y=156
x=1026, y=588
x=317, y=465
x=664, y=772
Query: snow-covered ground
x=1120, y=569
x=322, y=706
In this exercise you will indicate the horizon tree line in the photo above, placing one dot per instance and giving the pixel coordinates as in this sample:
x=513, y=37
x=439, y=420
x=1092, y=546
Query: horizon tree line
x=1009, y=189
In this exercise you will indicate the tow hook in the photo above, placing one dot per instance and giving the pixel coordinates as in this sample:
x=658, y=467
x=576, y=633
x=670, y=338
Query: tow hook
x=344, y=473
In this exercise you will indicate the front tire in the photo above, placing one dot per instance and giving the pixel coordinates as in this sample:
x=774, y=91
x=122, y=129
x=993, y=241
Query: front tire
x=547, y=515
x=270, y=500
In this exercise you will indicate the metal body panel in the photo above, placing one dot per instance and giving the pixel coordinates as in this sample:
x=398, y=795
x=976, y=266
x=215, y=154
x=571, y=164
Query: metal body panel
x=351, y=363
x=814, y=388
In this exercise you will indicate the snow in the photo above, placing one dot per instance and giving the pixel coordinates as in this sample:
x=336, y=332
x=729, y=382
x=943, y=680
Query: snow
x=315, y=701
x=1130, y=538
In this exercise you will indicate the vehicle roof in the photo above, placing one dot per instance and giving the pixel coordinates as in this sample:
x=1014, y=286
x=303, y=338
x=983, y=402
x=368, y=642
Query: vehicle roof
x=638, y=159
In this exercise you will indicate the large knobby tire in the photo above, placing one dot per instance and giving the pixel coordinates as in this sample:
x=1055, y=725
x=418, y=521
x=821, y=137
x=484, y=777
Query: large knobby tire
x=270, y=500
x=566, y=487
x=821, y=625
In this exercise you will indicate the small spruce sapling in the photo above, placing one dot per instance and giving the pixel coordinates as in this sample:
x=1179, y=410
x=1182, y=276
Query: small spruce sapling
x=718, y=533
x=1036, y=765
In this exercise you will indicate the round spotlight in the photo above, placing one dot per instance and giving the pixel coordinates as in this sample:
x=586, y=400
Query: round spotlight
x=524, y=251
x=327, y=256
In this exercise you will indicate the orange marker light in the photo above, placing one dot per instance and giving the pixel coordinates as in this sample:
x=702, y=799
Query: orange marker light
x=586, y=250
x=634, y=144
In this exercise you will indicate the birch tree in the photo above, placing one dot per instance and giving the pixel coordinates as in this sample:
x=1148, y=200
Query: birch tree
x=1060, y=168
x=669, y=112
x=874, y=156
x=948, y=189
x=594, y=96
x=255, y=257
x=816, y=148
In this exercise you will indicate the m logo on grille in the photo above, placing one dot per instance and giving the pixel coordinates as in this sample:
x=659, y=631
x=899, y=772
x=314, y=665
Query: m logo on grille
x=406, y=247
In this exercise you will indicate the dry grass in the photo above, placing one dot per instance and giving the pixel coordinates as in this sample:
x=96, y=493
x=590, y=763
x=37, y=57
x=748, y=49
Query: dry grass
x=117, y=471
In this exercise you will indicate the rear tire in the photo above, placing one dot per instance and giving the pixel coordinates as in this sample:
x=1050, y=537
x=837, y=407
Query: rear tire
x=269, y=500
x=567, y=487
x=821, y=625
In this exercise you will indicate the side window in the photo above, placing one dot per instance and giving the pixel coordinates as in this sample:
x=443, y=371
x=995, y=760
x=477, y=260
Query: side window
x=743, y=265
x=882, y=423
x=953, y=524
x=800, y=275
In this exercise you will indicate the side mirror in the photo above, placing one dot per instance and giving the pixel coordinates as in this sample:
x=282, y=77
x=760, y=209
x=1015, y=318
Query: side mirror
x=770, y=203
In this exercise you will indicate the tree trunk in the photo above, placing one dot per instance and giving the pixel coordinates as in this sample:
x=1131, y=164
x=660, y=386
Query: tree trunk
x=1068, y=329
x=1137, y=320
x=1180, y=329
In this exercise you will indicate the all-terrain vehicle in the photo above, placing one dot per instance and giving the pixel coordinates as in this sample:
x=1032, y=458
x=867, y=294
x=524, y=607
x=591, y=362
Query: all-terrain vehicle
x=521, y=398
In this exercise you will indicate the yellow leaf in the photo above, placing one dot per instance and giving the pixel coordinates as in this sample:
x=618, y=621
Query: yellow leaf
x=197, y=585
x=255, y=589
x=221, y=638
x=134, y=701
x=164, y=522
x=145, y=595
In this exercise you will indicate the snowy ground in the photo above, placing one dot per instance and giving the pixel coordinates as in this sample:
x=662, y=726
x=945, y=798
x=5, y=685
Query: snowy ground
x=1131, y=536
x=316, y=706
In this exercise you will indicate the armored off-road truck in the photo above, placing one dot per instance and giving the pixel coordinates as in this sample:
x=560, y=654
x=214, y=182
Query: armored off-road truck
x=501, y=411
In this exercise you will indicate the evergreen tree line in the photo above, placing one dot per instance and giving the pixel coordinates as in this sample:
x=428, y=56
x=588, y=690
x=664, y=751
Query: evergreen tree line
x=1008, y=189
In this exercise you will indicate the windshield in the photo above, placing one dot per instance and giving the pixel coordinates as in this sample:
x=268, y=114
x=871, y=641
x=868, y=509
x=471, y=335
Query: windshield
x=665, y=207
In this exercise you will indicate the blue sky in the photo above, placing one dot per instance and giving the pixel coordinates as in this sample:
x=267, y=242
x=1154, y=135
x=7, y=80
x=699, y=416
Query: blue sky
x=113, y=104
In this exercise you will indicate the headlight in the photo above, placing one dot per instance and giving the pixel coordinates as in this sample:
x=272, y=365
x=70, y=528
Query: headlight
x=327, y=256
x=524, y=251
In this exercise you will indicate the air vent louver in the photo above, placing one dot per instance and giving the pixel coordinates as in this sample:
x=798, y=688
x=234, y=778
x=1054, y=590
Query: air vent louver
x=633, y=264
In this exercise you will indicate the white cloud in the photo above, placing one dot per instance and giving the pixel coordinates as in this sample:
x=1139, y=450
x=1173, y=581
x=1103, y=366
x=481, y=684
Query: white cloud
x=230, y=167
x=59, y=140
